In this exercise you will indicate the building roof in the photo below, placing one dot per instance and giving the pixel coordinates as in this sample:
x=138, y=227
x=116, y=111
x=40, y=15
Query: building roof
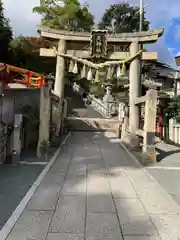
x=177, y=59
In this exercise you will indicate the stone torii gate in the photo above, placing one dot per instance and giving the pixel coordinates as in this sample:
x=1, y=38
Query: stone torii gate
x=77, y=44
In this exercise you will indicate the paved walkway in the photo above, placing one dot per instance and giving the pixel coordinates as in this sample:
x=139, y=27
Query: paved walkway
x=167, y=170
x=96, y=191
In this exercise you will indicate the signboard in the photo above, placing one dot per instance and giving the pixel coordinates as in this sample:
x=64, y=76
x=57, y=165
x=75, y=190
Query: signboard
x=98, y=45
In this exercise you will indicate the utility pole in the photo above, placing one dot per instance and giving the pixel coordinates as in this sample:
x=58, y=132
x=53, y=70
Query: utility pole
x=141, y=12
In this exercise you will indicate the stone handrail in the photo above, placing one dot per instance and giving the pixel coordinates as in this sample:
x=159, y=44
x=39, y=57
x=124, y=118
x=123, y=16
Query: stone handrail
x=97, y=104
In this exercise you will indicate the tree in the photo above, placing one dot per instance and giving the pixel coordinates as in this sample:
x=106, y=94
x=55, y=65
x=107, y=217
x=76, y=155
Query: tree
x=25, y=54
x=173, y=108
x=5, y=35
x=19, y=49
x=65, y=14
x=122, y=18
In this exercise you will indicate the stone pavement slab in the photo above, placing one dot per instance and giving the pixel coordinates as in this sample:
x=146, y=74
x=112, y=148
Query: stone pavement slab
x=142, y=238
x=99, y=193
x=100, y=204
x=75, y=185
x=167, y=170
x=168, y=226
x=31, y=225
x=65, y=236
x=133, y=218
x=69, y=216
x=102, y=226
x=117, y=185
x=45, y=198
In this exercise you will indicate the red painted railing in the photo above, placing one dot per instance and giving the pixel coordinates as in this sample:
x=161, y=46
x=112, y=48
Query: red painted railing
x=31, y=79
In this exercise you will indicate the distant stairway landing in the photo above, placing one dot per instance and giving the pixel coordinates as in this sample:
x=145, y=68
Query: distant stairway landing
x=92, y=124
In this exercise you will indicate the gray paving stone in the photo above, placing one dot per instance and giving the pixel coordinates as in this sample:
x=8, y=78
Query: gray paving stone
x=32, y=225
x=75, y=185
x=54, y=178
x=96, y=169
x=102, y=226
x=121, y=187
x=77, y=169
x=100, y=204
x=127, y=182
x=168, y=226
x=45, y=198
x=84, y=159
x=97, y=185
x=64, y=236
x=133, y=218
x=154, y=197
x=169, y=179
x=60, y=166
x=116, y=172
x=160, y=203
x=142, y=238
x=69, y=216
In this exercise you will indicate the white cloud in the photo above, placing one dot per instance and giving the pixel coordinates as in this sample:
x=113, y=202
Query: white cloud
x=22, y=18
x=164, y=54
x=20, y=14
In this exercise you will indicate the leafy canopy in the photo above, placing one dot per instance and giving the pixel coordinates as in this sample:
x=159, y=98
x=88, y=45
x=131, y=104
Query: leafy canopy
x=25, y=54
x=122, y=18
x=5, y=35
x=65, y=14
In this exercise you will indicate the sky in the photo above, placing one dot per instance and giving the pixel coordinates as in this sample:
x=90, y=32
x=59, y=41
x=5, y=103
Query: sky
x=161, y=14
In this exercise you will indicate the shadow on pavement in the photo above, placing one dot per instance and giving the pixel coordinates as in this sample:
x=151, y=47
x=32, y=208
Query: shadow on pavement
x=97, y=193
x=87, y=193
x=163, y=154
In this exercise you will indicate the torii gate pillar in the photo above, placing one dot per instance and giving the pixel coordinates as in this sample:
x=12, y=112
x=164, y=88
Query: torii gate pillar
x=134, y=89
x=60, y=71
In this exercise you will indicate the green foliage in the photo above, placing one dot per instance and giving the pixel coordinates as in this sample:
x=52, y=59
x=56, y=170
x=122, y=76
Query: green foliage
x=65, y=14
x=123, y=17
x=25, y=53
x=19, y=49
x=173, y=108
x=5, y=35
x=97, y=90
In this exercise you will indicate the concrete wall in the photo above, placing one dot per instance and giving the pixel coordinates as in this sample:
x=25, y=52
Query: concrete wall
x=14, y=99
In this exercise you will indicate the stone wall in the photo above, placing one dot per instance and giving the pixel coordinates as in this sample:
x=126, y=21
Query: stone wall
x=14, y=99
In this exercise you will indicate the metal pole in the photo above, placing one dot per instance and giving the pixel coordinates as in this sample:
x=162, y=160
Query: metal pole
x=141, y=12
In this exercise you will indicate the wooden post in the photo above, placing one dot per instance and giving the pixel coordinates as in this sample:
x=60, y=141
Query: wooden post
x=60, y=70
x=134, y=89
x=45, y=121
x=150, y=125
